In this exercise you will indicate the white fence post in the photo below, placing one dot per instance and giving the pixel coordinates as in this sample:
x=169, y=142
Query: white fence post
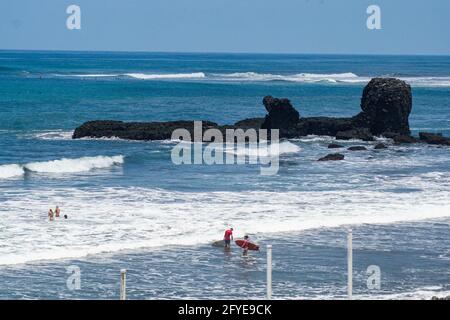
x=123, y=284
x=269, y=271
x=350, y=264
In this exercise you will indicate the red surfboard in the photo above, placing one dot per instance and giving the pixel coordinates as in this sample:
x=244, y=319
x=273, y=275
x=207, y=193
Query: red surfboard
x=251, y=246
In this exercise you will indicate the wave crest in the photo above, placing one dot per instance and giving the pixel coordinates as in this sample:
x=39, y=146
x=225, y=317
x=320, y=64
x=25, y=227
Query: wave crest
x=143, y=76
x=60, y=166
x=270, y=150
x=10, y=171
x=341, y=78
x=299, y=77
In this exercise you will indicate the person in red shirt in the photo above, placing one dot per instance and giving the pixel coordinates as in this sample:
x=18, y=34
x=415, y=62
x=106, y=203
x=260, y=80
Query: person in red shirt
x=228, y=237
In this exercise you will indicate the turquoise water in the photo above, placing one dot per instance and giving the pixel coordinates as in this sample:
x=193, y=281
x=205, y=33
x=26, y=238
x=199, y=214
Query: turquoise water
x=127, y=199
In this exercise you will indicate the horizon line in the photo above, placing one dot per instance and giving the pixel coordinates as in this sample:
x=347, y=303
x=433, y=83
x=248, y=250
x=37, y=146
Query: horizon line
x=227, y=52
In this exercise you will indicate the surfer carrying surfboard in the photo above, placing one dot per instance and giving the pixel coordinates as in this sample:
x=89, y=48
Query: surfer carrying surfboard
x=228, y=237
x=245, y=245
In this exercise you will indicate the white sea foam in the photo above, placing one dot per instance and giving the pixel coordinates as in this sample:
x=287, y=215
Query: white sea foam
x=268, y=150
x=74, y=165
x=143, y=76
x=60, y=166
x=114, y=219
x=50, y=135
x=140, y=76
x=94, y=75
x=10, y=171
x=315, y=139
x=300, y=77
x=342, y=78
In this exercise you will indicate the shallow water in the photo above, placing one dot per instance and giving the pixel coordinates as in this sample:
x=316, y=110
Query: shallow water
x=306, y=265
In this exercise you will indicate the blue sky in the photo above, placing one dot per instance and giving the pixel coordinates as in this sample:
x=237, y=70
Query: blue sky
x=277, y=26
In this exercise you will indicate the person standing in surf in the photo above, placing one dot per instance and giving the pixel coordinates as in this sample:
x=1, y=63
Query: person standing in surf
x=57, y=212
x=245, y=245
x=50, y=215
x=228, y=237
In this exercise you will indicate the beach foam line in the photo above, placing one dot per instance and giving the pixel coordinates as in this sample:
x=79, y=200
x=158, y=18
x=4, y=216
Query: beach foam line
x=64, y=165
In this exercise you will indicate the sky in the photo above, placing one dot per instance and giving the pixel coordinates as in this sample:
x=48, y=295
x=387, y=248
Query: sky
x=264, y=26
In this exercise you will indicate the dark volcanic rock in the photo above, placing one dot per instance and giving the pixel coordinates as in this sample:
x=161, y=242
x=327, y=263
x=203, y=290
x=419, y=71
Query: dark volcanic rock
x=332, y=157
x=135, y=130
x=334, y=146
x=386, y=104
x=357, y=148
x=433, y=138
x=282, y=115
x=358, y=134
x=323, y=126
x=253, y=123
x=405, y=139
x=380, y=146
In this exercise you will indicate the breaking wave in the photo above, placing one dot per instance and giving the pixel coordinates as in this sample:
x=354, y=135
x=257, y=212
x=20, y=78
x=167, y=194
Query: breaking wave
x=140, y=76
x=300, y=77
x=10, y=171
x=143, y=76
x=60, y=166
x=330, y=78
x=269, y=150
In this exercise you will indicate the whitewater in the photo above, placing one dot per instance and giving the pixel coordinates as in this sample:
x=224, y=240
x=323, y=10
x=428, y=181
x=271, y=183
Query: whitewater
x=250, y=76
x=105, y=220
x=82, y=164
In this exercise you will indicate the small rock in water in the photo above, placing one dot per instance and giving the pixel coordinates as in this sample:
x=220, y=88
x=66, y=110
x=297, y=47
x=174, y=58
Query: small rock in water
x=334, y=146
x=380, y=146
x=332, y=157
x=357, y=148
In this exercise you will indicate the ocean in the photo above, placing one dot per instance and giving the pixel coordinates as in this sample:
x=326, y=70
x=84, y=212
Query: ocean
x=130, y=207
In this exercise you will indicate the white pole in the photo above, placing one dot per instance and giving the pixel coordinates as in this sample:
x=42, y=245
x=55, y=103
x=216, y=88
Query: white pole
x=123, y=284
x=350, y=264
x=269, y=272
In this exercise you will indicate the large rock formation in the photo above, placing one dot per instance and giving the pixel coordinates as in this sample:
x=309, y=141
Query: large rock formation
x=386, y=104
x=281, y=115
